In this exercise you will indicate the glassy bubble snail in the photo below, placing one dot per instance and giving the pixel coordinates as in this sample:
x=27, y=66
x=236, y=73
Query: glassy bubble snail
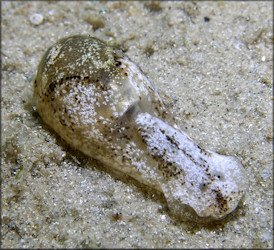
x=102, y=104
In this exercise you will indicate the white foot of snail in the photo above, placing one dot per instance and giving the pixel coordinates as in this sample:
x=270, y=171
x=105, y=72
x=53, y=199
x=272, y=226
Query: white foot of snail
x=101, y=103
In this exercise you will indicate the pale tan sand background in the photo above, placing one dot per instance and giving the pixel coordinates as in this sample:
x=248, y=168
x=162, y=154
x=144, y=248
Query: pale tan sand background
x=212, y=64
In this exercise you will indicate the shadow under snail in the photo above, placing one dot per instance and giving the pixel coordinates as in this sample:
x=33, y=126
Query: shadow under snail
x=102, y=104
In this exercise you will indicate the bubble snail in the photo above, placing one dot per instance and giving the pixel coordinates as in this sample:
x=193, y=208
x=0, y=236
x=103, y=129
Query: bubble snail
x=102, y=104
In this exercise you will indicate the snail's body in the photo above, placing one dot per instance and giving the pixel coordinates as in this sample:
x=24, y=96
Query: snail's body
x=101, y=103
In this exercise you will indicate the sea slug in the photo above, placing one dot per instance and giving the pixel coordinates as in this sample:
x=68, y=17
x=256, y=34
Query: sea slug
x=102, y=104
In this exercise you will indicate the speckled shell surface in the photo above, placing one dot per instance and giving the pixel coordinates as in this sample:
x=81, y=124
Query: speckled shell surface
x=102, y=104
x=89, y=92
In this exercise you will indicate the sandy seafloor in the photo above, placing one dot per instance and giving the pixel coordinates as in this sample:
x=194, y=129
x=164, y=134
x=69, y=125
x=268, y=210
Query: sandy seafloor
x=212, y=64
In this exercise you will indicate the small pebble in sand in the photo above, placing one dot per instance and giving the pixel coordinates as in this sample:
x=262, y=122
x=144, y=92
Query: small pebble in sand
x=36, y=19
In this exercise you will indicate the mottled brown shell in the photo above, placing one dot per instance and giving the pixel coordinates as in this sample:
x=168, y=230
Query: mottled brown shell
x=85, y=88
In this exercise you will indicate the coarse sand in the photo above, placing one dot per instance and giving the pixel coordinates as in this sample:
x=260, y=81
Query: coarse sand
x=212, y=63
